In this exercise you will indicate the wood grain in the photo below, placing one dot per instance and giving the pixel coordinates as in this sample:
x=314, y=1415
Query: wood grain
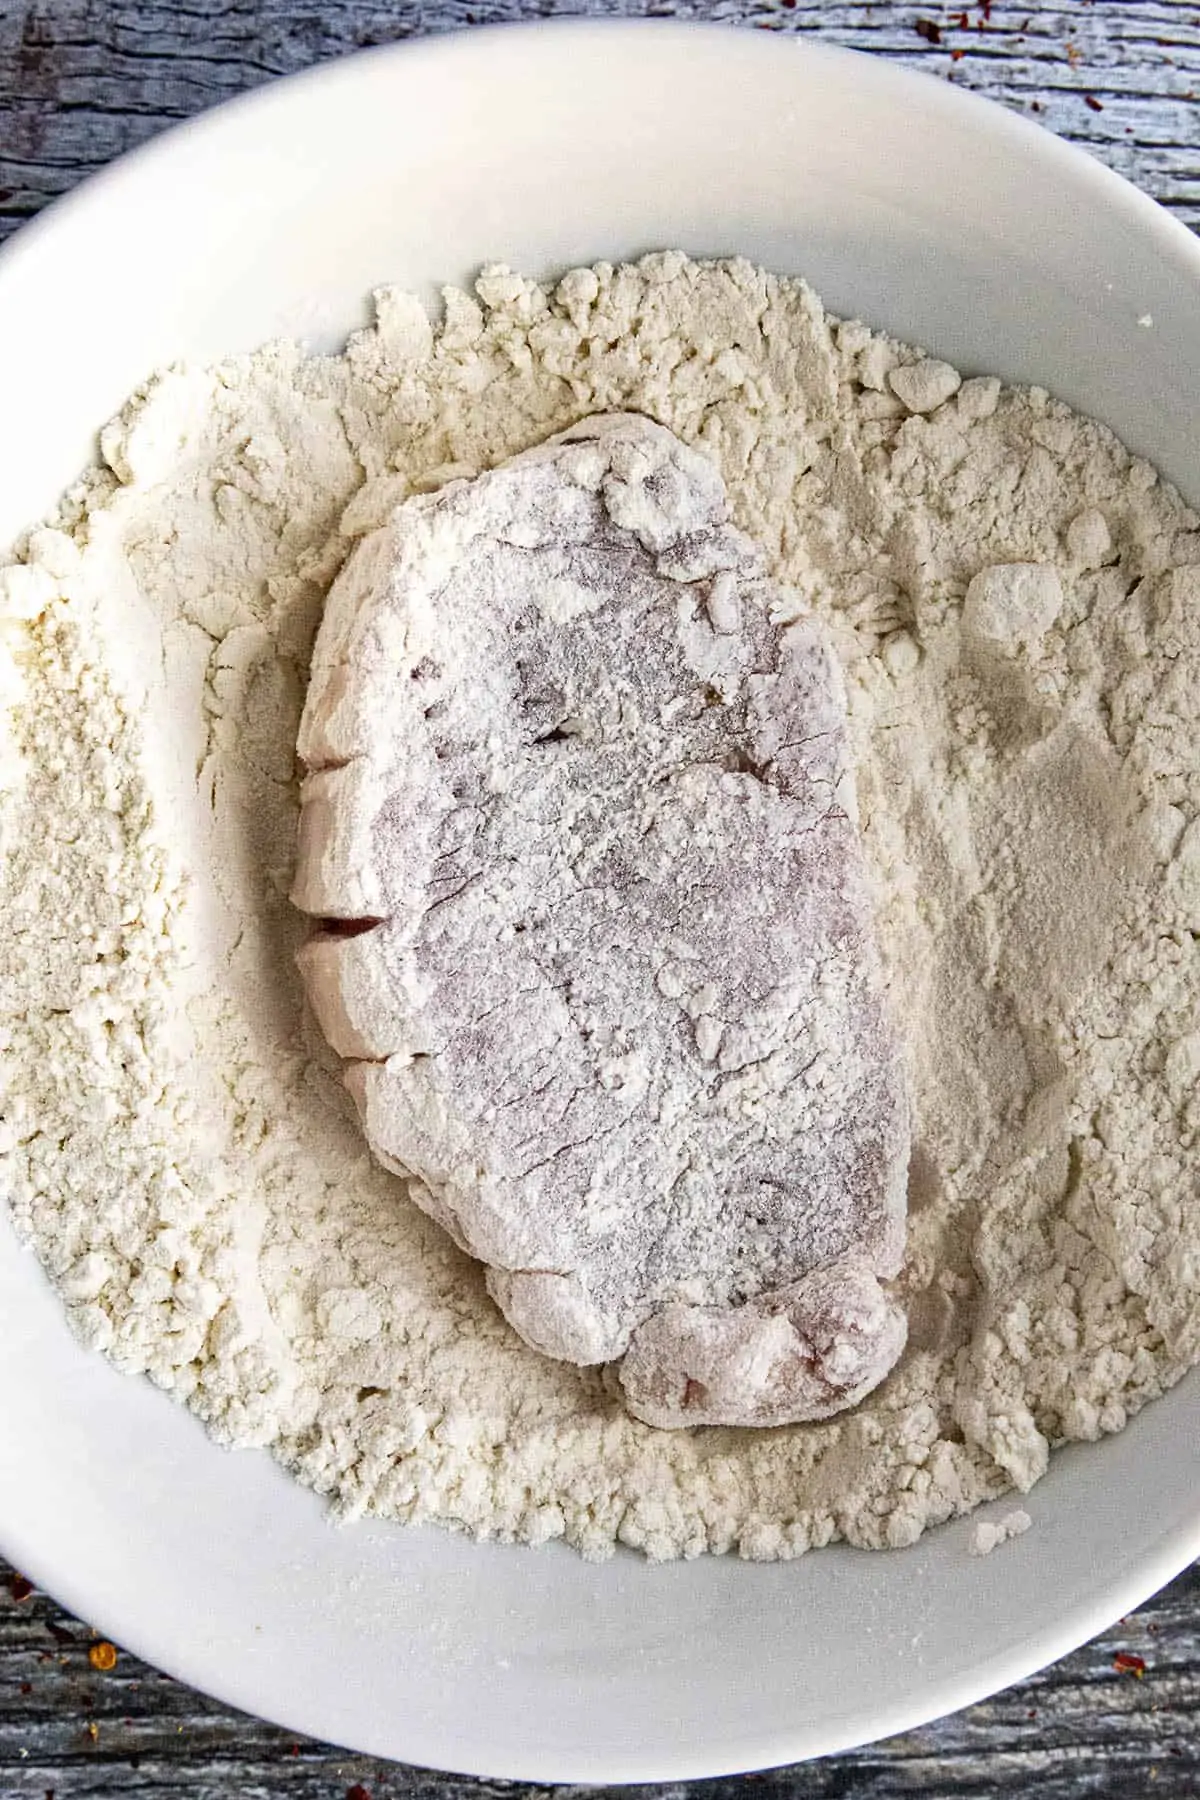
x=83, y=80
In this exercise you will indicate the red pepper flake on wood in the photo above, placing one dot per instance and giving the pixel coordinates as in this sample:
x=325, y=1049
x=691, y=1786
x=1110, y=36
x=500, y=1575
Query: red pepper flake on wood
x=103, y=1656
x=92, y=1730
x=20, y=1587
x=957, y=55
x=358, y=1792
x=1126, y=1663
x=1074, y=54
x=1091, y=100
x=927, y=29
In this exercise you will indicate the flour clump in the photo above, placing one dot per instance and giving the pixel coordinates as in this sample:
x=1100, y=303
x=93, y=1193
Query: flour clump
x=178, y=1147
x=598, y=945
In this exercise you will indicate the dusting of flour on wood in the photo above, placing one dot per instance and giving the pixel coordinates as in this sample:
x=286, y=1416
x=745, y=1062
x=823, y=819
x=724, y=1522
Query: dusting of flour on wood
x=178, y=1149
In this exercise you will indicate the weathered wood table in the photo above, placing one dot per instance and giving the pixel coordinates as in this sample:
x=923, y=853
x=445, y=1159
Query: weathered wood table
x=83, y=80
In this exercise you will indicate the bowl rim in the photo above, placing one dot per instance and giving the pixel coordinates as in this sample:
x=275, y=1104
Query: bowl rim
x=935, y=93
x=1162, y=1559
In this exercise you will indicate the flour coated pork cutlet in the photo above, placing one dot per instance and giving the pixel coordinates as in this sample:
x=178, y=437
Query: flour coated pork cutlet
x=594, y=931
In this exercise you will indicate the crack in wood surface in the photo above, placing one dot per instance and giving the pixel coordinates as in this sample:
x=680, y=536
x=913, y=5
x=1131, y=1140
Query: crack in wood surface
x=82, y=81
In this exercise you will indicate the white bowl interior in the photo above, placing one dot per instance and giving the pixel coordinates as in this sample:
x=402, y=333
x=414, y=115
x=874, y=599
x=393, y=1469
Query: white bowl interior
x=920, y=209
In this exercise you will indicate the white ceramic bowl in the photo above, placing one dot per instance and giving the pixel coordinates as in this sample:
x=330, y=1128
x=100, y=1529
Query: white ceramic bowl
x=939, y=216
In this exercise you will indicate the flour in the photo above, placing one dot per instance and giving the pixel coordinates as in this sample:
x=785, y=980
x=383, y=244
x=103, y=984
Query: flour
x=178, y=1148
x=988, y=1536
